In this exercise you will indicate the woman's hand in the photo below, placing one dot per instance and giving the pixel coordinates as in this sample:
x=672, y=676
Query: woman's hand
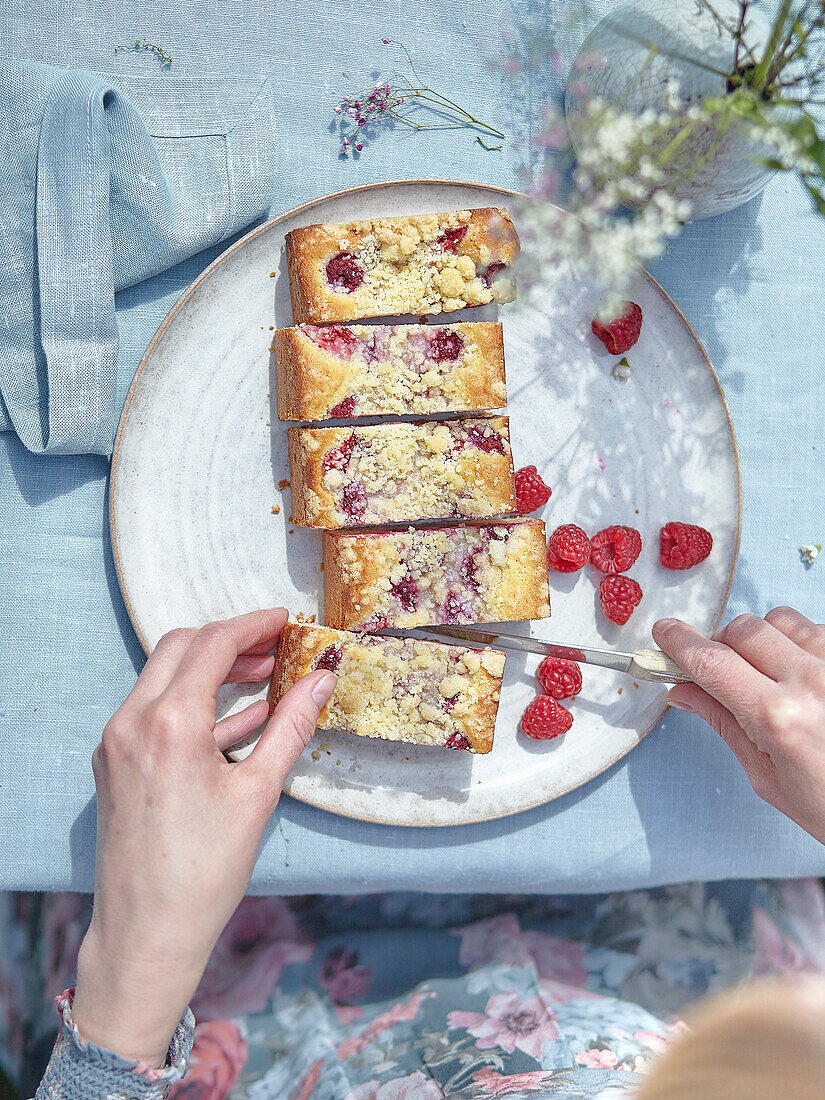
x=178, y=827
x=761, y=684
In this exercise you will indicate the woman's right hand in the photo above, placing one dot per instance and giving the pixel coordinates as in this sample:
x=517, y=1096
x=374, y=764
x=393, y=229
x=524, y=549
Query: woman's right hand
x=760, y=683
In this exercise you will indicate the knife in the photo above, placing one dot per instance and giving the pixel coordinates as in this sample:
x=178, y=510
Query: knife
x=645, y=664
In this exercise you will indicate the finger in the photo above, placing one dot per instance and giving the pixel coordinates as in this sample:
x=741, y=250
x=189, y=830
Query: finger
x=289, y=731
x=807, y=635
x=232, y=729
x=214, y=649
x=161, y=665
x=758, y=766
x=715, y=667
x=249, y=669
x=765, y=647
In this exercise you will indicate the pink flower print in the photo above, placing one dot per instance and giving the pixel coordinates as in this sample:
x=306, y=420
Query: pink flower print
x=348, y=1014
x=260, y=940
x=497, y=940
x=405, y=1010
x=218, y=1056
x=559, y=993
x=306, y=1086
x=342, y=978
x=498, y=1084
x=774, y=951
x=415, y=1087
x=598, y=1059
x=508, y=1024
x=557, y=959
x=655, y=1043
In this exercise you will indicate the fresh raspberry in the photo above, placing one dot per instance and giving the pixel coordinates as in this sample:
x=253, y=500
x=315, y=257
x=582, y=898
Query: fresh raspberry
x=531, y=492
x=336, y=339
x=450, y=239
x=614, y=549
x=621, y=333
x=560, y=678
x=619, y=595
x=490, y=443
x=682, y=545
x=344, y=272
x=445, y=347
x=544, y=719
x=343, y=408
x=330, y=658
x=568, y=549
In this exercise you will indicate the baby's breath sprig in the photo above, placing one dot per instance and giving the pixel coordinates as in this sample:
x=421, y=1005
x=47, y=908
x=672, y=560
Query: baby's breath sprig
x=140, y=46
x=397, y=98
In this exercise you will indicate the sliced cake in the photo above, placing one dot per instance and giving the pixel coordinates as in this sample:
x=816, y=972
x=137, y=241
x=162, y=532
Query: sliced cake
x=474, y=573
x=324, y=372
x=397, y=689
x=421, y=264
x=398, y=473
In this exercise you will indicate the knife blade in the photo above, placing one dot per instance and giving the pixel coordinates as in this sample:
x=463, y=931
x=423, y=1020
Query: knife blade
x=644, y=664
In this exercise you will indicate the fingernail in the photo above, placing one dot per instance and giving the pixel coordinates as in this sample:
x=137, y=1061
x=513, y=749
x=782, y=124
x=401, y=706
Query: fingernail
x=664, y=624
x=679, y=705
x=324, y=688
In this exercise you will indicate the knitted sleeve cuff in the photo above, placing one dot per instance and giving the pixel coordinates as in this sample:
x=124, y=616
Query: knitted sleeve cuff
x=80, y=1070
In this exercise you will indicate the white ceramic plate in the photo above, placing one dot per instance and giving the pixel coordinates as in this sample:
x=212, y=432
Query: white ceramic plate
x=197, y=465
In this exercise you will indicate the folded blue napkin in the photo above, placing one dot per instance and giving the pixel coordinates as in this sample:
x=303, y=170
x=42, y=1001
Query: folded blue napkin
x=105, y=183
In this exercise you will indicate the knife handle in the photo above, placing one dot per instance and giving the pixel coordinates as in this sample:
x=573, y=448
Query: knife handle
x=652, y=664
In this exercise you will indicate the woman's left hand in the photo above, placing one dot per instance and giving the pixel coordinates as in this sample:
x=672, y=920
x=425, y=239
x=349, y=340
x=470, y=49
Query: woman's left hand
x=179, y=826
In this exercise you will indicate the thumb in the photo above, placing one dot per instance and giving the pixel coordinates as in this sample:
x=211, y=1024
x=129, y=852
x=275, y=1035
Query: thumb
x=290, y=729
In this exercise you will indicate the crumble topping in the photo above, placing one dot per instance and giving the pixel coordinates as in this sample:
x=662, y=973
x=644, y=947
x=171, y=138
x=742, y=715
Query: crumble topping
x=461, y=575
x=401, y=689
x=417, y=264
x=346, y=477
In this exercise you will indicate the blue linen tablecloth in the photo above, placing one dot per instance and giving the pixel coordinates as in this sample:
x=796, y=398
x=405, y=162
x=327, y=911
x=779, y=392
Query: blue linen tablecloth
x=678, y=807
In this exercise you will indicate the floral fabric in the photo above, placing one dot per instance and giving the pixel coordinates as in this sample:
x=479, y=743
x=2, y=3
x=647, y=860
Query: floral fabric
x=418, y=997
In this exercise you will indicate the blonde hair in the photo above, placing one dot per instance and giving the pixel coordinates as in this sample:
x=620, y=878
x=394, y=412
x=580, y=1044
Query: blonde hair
x=764, y=1041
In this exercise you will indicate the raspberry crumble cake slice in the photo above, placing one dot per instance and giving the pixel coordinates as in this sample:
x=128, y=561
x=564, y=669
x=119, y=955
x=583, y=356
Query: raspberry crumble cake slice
x=475, y=573
x=324, y=372
x=422, y=263
x=397, y=689
x=399, y=473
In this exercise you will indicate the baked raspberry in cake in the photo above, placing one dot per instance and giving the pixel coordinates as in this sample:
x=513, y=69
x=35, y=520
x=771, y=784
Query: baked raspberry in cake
x=397, y=689
x=325, y=372
x=422, y=263
x=474, y=573
x=399, y=473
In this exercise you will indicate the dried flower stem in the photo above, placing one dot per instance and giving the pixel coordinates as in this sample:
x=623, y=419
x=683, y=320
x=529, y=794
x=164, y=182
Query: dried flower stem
x=397, y=96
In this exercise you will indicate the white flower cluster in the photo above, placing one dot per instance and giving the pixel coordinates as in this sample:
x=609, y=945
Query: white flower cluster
x=624, y=214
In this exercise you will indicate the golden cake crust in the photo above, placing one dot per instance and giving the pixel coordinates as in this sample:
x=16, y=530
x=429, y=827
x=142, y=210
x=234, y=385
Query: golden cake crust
x=397, y=689
x=311, y=381
x=362, y=569
x=400, y=473
x=404, y=264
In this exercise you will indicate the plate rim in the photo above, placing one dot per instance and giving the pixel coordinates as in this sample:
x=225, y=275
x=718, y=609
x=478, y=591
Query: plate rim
x=207, y=272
